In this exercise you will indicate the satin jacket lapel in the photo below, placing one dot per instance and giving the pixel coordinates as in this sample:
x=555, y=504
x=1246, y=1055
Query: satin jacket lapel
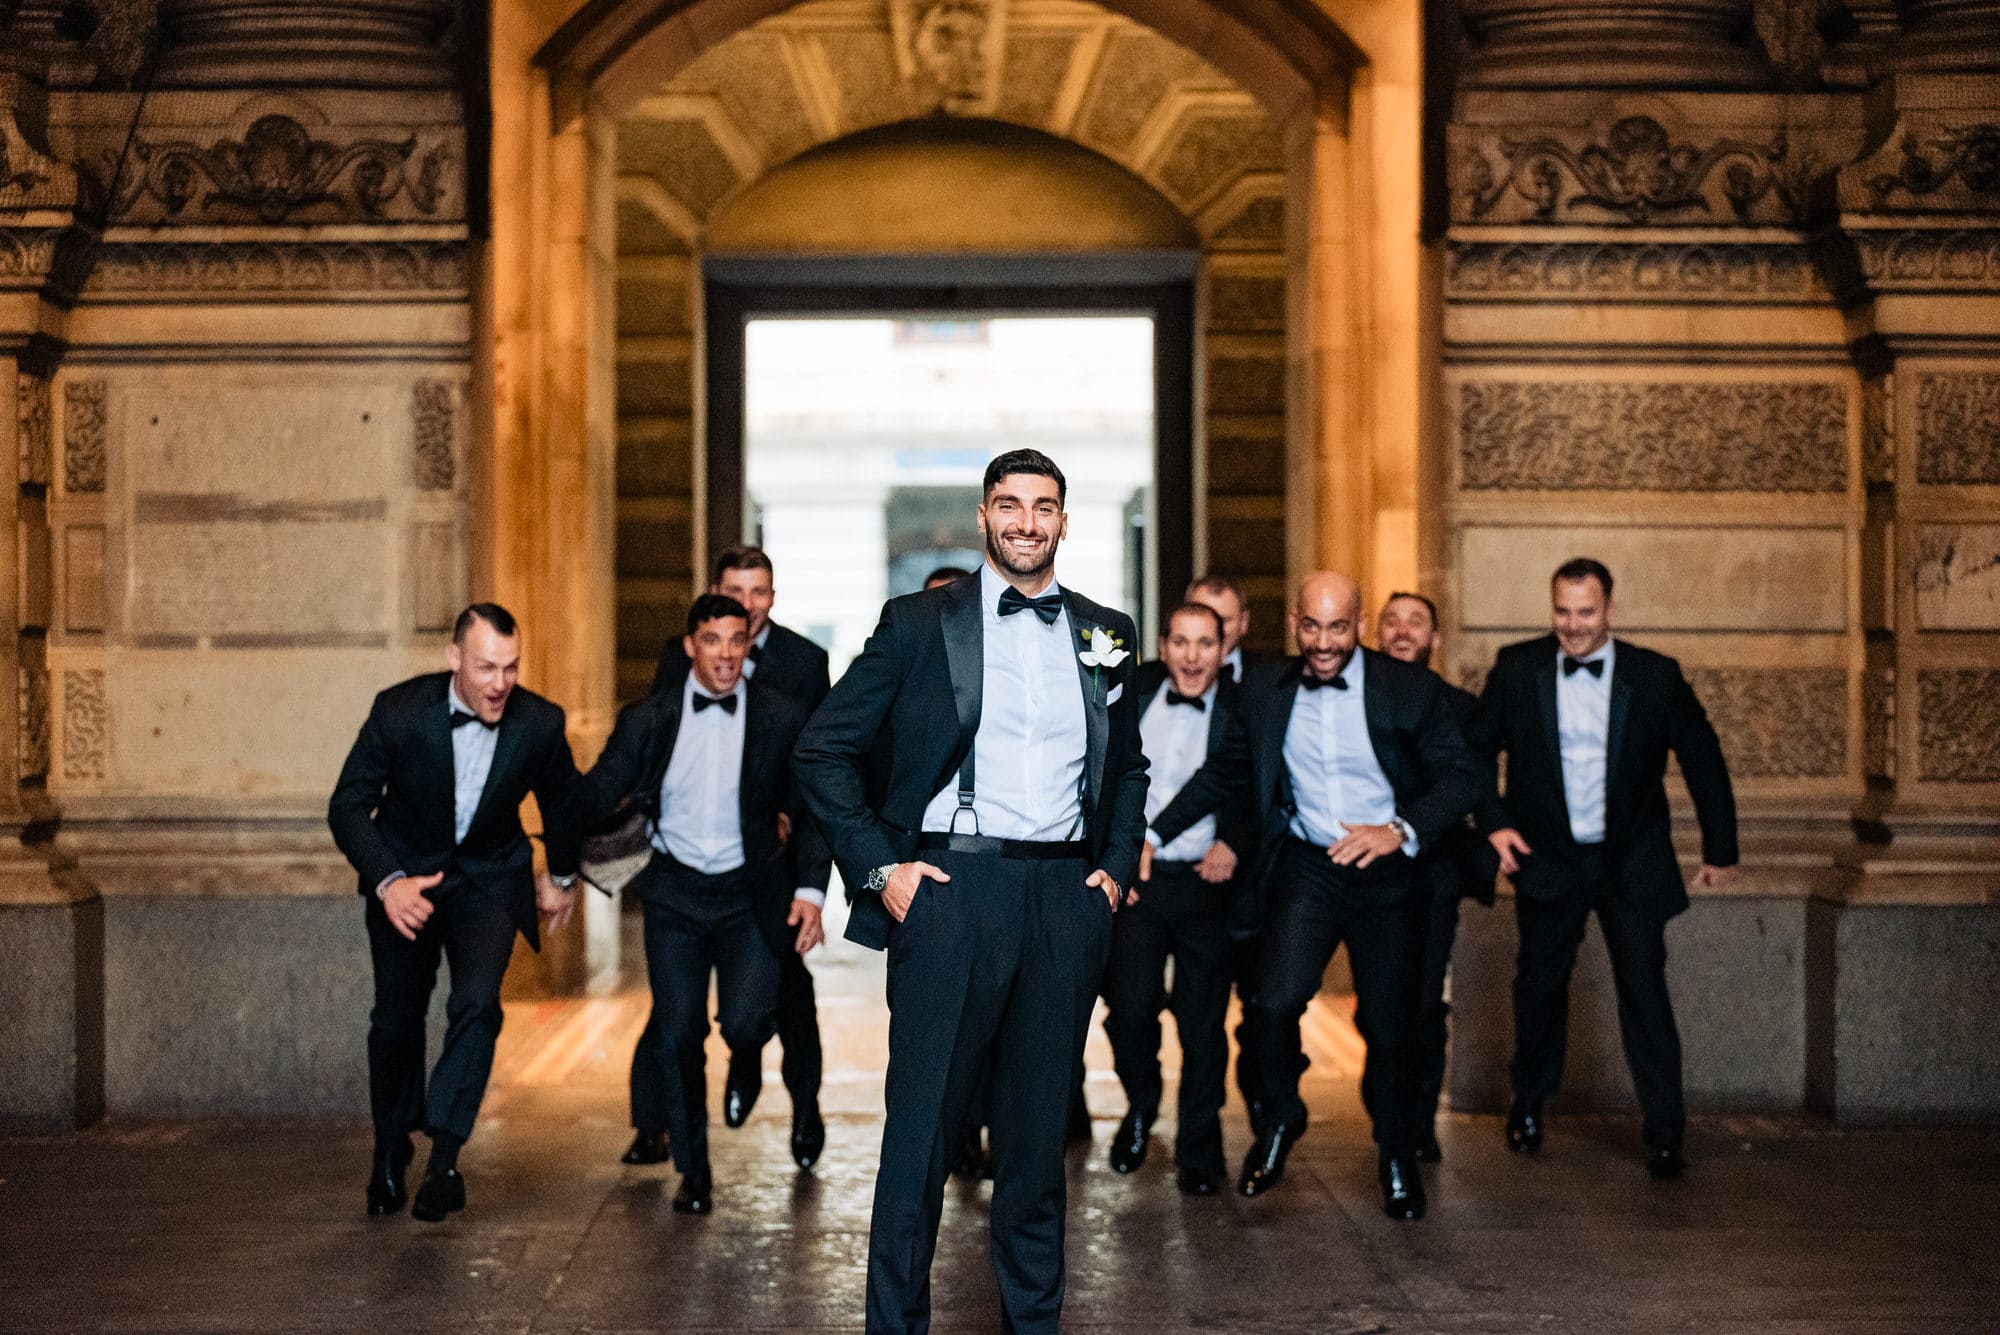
x=442, y=781
x=506, y=747
x=1381, y=728
x=1096, y=684
x=756, y=741
x=1614, y=740
x=963, y=626
x=1272, y=761
x=1545, y=701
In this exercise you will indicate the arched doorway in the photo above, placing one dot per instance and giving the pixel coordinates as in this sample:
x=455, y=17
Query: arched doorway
x=1283, y=140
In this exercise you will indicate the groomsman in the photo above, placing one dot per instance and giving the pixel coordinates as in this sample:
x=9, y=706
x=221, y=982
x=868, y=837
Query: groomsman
x=1586, y=722
x=710, y=766
x=792, y=665
x=428, y=811
x=1354, y=763
x=1180, y=910
x=1225, y=595
x=1461, y=865
x=990, y=865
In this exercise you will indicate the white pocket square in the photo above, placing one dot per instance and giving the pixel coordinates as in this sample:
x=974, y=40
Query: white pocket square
x=1112, y=698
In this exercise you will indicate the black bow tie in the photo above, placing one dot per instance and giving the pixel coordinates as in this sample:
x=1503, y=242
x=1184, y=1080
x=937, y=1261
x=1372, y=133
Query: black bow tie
x=459, y=718
x=1594, y=666
x=728, y=702
x=1048, y=607
x=756, y=654
x=1174, y=697
x=1312, y=683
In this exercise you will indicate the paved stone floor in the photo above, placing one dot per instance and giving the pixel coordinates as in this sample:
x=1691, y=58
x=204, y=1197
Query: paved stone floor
x=1783, y=1225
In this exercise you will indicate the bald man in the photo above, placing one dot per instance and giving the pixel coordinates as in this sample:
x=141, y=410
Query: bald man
x=1354, y=764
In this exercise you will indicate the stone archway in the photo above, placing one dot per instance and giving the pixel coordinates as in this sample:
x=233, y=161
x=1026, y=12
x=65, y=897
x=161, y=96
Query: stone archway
x=1329, y=219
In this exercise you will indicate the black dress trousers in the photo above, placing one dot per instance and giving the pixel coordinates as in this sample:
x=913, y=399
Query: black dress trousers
x=1378, y=913
x=1008, y=955
x=1182, y=917
x=695, y=923
x=1442, y=896
x=474, y=933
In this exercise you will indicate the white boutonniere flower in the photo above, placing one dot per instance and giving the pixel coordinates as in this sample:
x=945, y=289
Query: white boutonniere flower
x=1105, y=651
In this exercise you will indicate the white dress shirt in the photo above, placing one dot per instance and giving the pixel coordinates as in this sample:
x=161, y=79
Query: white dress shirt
x=1583, y=724
x=471, y=761
x=1029, y=752
x=756, y=647
x=1336, y=779
x=701, y=817
x=1232, y=665
x=1176, y=742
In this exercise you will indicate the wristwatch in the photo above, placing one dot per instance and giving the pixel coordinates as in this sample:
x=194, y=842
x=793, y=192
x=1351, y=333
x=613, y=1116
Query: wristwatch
x=1402, y=829
x=878, y=880
x=563, y=882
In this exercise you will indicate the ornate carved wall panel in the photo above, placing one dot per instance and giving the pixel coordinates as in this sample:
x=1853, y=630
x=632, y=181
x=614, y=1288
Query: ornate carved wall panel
x=1957, y=577
x=328, y=270
x=1878, y=723
x=86, y=461
x=1659, y=436
x=86, y=725
x=1778, y=723
x=433, y=420
x=33, y=429
x=1958, y=429
x=1958, y=725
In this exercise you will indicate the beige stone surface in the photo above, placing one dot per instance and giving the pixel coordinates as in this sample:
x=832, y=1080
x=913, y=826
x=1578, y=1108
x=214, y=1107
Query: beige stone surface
x=1693, y=578
x=1957, y=577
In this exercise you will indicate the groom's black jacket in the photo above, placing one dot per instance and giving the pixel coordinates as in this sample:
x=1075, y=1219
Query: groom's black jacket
x=923, y=673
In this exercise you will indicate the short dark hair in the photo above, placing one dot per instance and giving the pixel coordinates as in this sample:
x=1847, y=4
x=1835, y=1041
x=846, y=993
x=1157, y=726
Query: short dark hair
x=1583, y=567
x=492, y=614
x=1192, y=608
x=946, y=575
x=1216, y=583
x=1418, y=598
x=714, y=607
x=741, y=556
x=1024, y=461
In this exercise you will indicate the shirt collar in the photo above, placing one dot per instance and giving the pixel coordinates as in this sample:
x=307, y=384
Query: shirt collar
x=991, y=585
x=1232, y=663
x=762, y=636
x=452, y=703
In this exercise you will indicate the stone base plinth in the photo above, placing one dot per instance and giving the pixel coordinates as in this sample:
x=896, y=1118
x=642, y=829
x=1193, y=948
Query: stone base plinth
x=51, y=991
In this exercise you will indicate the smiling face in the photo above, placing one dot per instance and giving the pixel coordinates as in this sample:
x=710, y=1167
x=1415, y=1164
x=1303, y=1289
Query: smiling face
x=1406, y=631
x=752, y=588
x=1326, y=621
x=1023, y=522
x=1192, y=651
x=1581, y=614
x=484, y=667
x=716, y=649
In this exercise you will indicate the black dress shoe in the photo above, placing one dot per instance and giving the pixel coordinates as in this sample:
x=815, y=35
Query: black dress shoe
x=442, y=1193
x=1665, y=1163
x=808, y=1136
x=1260, y=1112
x=1199, y=1181
x=388, y=1183
x=647, y=1147
x=1524, y=1126
x=746, y=1082
x=1402, y=1189
x=1429, y=1151
x=696, y=1196
x=1128, y=1147
x=1264, y=1167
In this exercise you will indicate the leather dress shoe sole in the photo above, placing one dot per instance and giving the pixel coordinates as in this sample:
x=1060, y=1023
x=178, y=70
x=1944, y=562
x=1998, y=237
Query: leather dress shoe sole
x=441, y=1194
x=647, y=1147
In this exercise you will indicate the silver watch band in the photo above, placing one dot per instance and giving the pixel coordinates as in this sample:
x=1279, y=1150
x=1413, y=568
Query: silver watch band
x=878, y=880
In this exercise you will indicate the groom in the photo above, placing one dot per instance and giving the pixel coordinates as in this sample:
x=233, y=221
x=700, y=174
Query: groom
x=1012, y=814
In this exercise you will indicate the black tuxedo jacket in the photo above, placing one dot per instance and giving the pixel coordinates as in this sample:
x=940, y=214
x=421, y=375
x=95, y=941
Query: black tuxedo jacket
x=1653, y=711
x=1463, y=851
x=791, y=664
x=393, y=806
x=923, y=673
x=1417, y=742
x=1235, y=824
x=628, y=774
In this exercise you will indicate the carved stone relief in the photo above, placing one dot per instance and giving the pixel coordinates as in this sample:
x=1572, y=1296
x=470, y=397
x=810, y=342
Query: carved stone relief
x=86, y=463
x=32, y=698
x=86, y=725
x=1664, y=436
x=276, y=171
x=327, y=269
x=1878, y=429
x=1778, y=723
x=1634, y=172
x=31, y=425
x=1878, y=719
x=957, y=46
x=1957, y=577
x=1961, y=164
x=1682, y=271
x=1958, y=429
x=432, y=414
x=1949, y=259
x=1958, y=725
